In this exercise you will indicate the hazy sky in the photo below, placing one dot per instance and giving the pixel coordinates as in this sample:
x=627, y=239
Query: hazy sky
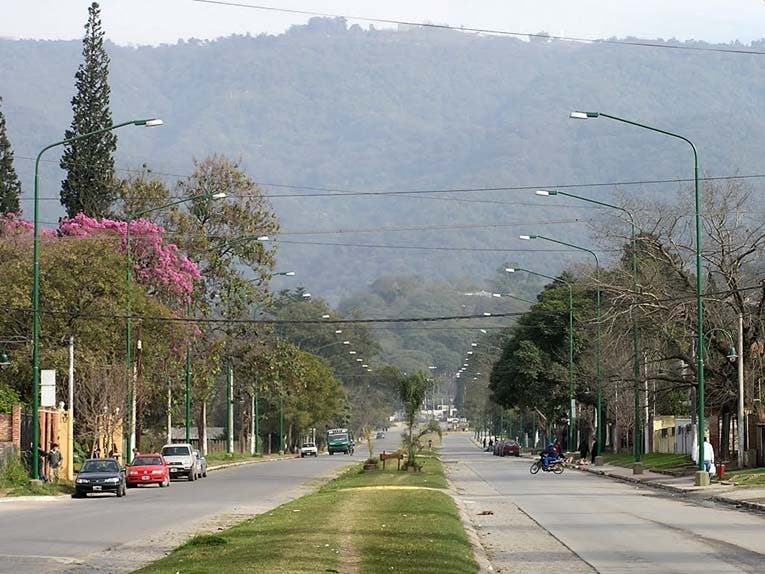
x=165, y=21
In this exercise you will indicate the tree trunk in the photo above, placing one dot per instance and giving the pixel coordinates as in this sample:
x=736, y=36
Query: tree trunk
x=725, y=436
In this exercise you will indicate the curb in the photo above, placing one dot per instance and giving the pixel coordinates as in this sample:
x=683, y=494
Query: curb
x=754, y=506
x=34, y=498
x=479, y=552
x=253, y=461
x=632, y=480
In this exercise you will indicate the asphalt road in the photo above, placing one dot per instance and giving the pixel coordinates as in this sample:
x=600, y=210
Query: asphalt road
x=107, y=534
x=595, y=524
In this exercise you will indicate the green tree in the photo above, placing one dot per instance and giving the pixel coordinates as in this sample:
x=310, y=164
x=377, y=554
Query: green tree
x=411, y=391
x=10, y=187
x=89, y=186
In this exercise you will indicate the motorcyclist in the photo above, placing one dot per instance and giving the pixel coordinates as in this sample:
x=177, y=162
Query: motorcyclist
x=549, y=455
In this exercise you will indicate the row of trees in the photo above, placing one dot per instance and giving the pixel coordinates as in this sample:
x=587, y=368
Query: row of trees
x=201, y=281
x=531, y=371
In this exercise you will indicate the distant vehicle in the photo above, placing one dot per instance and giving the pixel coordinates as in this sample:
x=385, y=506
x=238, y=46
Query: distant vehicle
x=148, y=469
x=339, y=440
x=99, y=475
x=509, y=448
x=201, y=463
x=181, y=461
x=380, y=434
x=308, y=449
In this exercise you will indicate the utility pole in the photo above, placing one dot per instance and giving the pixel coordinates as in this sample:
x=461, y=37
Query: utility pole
x=70, y=442
x=169, y=413
x=230, y=409
x=741, y=424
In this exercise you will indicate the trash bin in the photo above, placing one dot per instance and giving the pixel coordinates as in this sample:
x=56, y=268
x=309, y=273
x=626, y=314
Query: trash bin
x=721, y=471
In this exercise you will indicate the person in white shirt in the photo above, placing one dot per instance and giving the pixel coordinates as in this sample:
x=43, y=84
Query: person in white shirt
x=709, y=455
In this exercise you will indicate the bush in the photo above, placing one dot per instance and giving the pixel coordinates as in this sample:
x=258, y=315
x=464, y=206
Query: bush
x=14, y=474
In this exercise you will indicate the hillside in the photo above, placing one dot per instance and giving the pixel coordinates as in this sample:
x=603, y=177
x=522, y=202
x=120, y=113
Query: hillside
x=329, y=106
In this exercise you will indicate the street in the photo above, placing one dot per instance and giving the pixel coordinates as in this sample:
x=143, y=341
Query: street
x=578, y=522
x=107, y=534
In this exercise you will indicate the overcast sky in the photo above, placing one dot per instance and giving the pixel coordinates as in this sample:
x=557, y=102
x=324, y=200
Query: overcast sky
x=166, y=21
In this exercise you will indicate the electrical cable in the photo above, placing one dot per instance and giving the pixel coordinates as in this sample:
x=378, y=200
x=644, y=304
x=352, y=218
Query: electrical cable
x=492, y=31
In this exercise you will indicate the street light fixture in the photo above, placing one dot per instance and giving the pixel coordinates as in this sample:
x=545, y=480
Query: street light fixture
x=637, y=469
x=701, y=479
x=150, y=122
x=283, y=273
x=599, y=359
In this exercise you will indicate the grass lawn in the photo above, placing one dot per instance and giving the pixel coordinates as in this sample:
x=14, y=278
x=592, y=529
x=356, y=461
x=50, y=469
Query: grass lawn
x=361, y=523
x=651, y=461
x=747, y=476
x=224, y=457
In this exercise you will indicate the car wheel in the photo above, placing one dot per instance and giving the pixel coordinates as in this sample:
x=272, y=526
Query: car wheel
x=302, y=455
x=131, y=485
x=331, y=453
x=517, y=454
x=120, y=491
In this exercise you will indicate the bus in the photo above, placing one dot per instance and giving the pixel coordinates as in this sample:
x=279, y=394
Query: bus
x=339, y=440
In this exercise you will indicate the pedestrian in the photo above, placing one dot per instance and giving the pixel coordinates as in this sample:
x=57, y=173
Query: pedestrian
x=584, y=449
x=491, y=441
x=43, y=456
x=484, y=443
x=135, y=453
x=96, y=452
x=593, y=451
x=54, y=462
x=709, y=455
x=430, y=444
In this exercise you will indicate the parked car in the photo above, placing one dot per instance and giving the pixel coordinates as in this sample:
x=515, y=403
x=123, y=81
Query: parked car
x=308, y=449
x=148, y=469
x=510, y=448
x=380, y=434
x=201, y=463
x=99, y=475
x=181, y=461
x=497, y=447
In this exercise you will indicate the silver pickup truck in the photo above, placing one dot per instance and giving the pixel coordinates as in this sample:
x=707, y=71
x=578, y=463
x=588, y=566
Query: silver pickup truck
x=181, y=461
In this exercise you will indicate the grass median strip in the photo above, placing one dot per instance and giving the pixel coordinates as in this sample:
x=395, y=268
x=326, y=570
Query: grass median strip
x=359, y=523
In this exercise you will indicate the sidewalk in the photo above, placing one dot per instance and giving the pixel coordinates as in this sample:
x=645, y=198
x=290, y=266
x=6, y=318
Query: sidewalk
x=752, y=498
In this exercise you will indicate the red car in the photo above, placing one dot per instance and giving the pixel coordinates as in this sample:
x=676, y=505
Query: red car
x=510, y=448
x=148, y=469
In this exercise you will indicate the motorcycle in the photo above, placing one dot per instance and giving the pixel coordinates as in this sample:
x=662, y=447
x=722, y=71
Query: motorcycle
x=555, y=466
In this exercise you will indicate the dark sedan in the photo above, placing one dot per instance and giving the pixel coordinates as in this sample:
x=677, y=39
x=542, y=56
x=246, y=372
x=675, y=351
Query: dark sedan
x=99, y=475
x=510, y=448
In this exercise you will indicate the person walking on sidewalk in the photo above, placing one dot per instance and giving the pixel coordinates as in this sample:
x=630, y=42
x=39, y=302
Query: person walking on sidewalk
x=709, y=455
x=584, y=449
x=54, y=462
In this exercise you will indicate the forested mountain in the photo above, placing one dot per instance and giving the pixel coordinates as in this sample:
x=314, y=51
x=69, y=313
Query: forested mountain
x=336, y=107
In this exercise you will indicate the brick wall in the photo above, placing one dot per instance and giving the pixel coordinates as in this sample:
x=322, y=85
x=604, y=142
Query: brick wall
x=10, y=427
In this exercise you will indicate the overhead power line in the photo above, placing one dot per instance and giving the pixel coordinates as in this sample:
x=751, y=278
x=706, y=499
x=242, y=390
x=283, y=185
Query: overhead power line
x=492, y=31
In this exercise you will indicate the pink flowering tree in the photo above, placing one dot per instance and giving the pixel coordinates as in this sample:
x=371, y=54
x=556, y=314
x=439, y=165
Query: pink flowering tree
x=158, y=265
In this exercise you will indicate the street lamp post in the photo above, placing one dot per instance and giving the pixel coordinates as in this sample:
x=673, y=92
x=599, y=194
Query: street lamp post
x=702, y=478
x=570, y=345
x=637, y=440
x=598, y=368
x=36, y=281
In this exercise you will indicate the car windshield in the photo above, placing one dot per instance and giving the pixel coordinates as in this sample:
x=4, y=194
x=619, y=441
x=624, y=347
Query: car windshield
x=338, y=436
x=147, y=461
x=100, y=466
x=308, y=445
x=175, y=451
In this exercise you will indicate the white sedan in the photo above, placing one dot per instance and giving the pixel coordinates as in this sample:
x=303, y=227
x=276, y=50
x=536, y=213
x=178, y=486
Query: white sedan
x=308, y=449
